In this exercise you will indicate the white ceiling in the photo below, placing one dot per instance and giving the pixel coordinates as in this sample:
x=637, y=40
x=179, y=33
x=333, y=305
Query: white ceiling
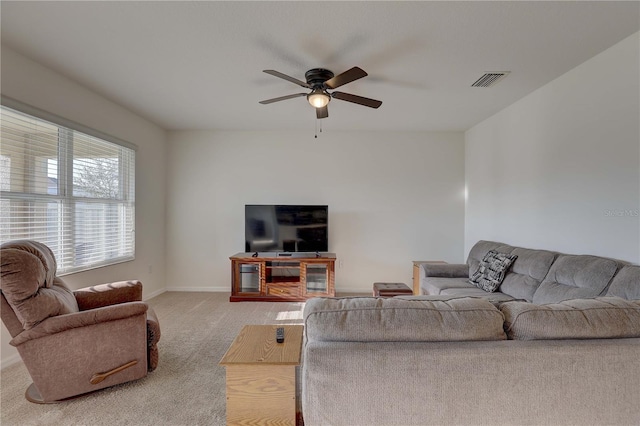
x=198, y=65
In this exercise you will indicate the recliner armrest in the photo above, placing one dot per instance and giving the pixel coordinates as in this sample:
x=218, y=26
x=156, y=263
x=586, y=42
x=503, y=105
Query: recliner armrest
x=60, y=323
x=109, y=294
x=445, y=270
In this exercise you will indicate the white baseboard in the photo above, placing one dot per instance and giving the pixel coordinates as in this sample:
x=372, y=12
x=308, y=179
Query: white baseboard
x=203, y=289
x=10, y=360
x=154, y=294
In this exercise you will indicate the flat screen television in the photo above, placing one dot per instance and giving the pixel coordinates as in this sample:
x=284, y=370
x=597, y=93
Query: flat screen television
x=289, y=228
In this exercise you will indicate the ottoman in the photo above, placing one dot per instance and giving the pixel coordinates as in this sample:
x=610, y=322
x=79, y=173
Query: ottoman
x=391, y=289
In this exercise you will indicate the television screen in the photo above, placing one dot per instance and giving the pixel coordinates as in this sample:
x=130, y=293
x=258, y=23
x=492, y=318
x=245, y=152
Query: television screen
x=286, y=228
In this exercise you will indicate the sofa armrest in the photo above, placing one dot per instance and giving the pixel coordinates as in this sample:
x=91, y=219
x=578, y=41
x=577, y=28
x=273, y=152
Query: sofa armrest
x=445, y=270
x=61, y=323
x=109, y=294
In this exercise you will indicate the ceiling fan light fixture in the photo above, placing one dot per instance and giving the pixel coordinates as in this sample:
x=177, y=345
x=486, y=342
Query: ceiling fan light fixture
x=318, y=98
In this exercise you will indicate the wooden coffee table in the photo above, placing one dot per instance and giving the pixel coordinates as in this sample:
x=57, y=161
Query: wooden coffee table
x=261, y=375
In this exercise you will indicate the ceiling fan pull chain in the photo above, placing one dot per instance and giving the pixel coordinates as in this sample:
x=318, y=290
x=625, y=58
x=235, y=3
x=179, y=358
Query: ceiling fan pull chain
x=316, y=136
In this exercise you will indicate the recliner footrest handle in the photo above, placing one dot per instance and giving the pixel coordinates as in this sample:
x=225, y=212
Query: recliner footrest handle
x=98, y=377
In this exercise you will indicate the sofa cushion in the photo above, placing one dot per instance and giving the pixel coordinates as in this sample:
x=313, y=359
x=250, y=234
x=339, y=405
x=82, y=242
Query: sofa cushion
x=368, y=319
x=473, y=291
x=527, y=272
x=599, y=318
x=479, y=251
x=492, y=270
x=435, y=285
x=24, y=284
x=626, y=283
x=575, y=277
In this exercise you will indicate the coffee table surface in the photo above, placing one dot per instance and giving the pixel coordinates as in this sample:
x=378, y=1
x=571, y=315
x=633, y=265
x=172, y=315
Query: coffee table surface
x=256, y=344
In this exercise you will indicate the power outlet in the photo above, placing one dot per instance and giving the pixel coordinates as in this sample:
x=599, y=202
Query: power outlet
x=340, y=264
x=150, y=269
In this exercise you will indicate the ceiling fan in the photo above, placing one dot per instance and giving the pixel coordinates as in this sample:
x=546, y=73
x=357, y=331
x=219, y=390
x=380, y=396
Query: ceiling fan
x=320, y=80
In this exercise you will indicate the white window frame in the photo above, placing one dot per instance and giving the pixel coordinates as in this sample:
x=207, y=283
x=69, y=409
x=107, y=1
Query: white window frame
x=65, y=197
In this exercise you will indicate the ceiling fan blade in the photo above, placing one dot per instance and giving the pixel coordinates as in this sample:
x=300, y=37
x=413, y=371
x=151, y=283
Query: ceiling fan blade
x=371, y=103
x=346, y=77
x=282, y=98
x=322, y=112
x=286, y=77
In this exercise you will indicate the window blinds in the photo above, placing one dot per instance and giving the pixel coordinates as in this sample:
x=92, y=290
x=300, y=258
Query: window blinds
x=69, y=190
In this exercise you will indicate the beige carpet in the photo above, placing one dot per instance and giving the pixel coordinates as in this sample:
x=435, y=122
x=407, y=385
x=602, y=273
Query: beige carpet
x=188, y=388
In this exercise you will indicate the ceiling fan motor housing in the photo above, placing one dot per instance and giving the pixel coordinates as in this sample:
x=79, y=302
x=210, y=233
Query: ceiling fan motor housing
x=317, y=76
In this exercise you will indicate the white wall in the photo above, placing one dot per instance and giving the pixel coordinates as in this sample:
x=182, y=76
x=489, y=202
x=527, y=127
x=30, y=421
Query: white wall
x=35, y=85
x=392, y=198
x=560, y=169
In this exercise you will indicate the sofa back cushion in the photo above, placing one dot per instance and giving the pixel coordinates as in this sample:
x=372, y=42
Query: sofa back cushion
x=527, y=272
x=29, y=284
x=599, y=318
x=480, y=250
x=575, y=277
x=626, y=283
x=369, y=319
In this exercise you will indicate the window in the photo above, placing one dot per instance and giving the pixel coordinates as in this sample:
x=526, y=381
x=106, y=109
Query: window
x=73, y=191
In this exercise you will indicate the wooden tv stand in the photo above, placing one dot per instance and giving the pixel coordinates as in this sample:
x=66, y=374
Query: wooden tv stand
x=281, y=276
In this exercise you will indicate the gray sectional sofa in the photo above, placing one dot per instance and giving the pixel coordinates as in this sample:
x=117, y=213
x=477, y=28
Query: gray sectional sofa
x=537, y=276
x=558, y=343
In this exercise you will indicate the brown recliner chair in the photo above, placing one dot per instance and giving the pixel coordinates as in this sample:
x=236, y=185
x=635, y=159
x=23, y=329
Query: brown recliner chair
x=73, y=342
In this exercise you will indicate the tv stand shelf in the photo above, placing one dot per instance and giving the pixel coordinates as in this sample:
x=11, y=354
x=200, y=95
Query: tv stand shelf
x=273, y=276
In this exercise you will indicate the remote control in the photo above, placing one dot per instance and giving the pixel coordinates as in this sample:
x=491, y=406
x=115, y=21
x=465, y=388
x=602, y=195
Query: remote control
x=280, y=334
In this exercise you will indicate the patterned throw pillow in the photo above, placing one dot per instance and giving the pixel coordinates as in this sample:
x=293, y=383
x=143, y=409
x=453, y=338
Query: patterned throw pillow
x=492, y=270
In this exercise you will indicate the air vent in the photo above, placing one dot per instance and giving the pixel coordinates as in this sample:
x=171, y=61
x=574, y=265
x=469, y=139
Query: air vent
x=490, y=79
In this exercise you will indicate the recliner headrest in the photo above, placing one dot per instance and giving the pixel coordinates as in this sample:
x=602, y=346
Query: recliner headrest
x=41, y=251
